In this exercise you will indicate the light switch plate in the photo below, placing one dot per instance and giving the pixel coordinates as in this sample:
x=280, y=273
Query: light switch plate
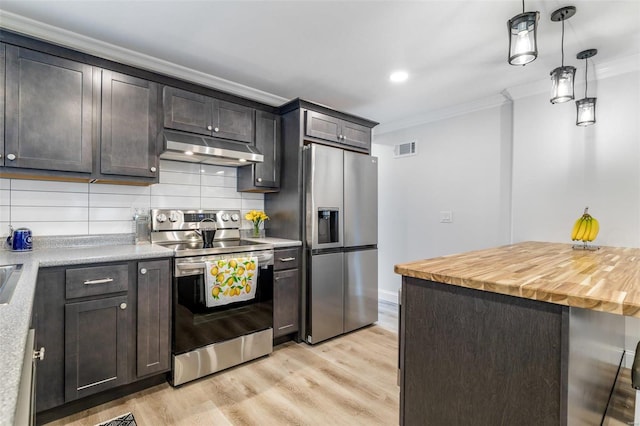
x=446, y=216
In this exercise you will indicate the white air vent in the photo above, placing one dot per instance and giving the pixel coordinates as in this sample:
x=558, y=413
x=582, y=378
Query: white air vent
x=404, y=149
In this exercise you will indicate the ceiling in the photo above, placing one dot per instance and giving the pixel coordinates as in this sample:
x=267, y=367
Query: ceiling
x=340, y=53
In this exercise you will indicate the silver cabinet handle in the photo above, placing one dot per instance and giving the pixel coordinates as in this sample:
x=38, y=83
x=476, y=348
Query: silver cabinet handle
x=123, y=306
x=209, y=128
x=285, y=326
x=153, y=169
x=101, y=281
x=287, y=259
x=216, y=129
x=259, y=179
x=39, y=354
x=11, y=157
x=0, y=155
x=143, y=271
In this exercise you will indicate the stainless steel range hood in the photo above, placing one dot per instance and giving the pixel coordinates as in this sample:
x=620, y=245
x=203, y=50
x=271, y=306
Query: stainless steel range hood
x=179, y=146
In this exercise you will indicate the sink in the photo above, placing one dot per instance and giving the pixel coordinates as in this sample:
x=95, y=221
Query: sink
x=9, y=276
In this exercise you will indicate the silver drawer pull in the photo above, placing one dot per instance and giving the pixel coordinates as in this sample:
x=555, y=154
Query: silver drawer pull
x=101, y=281
x=285, y=326
x=287, y=259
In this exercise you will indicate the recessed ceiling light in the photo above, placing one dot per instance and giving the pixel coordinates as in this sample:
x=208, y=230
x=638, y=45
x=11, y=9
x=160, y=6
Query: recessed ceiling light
x=399, y=76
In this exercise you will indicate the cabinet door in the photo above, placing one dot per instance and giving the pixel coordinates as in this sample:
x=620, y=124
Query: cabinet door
x=154, y=313
x=233, y=121
x=356, y=135
x=129, y=126
x=95, y=341
x=265, y=176
x=322, y=126
x=49, y=113
x=286, y=295
x=187, y=111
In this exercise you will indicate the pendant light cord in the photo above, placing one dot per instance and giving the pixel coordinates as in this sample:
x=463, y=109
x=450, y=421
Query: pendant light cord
x=586, y=81
x=522, y=6
x=562, y=42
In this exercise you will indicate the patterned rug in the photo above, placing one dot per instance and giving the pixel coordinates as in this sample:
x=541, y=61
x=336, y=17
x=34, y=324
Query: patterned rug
x=123, y=420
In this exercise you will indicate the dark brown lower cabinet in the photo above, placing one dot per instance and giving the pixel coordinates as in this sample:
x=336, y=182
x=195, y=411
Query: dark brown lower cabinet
x=104, y=327
x=286, y=292
x=95, y=333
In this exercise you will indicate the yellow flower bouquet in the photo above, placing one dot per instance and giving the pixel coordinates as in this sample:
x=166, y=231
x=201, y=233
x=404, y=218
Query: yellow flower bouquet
x=257, y=217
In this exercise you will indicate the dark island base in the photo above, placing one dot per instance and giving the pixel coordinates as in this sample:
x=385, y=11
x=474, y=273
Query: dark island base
x=481, y=358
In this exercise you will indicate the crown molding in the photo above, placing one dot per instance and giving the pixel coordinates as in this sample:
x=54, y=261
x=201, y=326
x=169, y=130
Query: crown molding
x=604, y=70
x=46, y=32
x=442, y=114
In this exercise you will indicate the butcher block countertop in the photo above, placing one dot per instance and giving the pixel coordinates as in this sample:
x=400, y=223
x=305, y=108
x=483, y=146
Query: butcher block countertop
x=605, y=280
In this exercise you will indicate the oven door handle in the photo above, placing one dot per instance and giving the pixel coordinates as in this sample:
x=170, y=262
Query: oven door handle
x=190, y=265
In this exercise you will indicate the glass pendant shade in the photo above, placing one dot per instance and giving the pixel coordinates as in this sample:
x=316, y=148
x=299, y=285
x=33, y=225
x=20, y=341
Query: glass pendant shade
x=562, y=84
x=586, y=112
x=523, y=46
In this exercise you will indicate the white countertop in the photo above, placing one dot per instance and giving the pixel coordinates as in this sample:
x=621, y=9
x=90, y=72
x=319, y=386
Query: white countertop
x=15, y=317
x=276, y=242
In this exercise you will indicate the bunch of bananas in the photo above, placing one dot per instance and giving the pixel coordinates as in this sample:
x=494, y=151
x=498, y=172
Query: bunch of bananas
x=586, y=228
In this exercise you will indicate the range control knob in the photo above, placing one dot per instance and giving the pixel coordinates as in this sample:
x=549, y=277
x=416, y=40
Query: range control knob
x=225, y=217
x=161, y=217
x=173, y=217
x=235, y=217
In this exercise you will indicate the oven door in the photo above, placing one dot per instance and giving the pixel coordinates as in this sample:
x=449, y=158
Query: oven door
x=195, y=325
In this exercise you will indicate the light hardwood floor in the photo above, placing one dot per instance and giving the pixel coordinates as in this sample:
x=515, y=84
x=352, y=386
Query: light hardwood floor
x=349, y=380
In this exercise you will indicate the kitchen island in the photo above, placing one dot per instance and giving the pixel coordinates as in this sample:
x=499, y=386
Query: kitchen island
x=530, y=333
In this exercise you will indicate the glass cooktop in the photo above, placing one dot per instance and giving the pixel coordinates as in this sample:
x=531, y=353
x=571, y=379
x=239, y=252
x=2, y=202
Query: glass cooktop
x=198, y=248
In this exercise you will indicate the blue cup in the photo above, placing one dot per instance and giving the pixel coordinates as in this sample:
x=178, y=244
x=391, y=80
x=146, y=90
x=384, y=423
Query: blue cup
x=21, y=240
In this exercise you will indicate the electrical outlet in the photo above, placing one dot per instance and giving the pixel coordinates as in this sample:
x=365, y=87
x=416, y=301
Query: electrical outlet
x=446, y=216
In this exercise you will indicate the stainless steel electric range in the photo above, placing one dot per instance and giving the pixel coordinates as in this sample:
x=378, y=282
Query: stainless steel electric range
x=222, y=291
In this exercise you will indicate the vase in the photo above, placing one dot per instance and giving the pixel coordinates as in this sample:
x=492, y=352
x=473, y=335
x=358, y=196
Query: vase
x=256, y=230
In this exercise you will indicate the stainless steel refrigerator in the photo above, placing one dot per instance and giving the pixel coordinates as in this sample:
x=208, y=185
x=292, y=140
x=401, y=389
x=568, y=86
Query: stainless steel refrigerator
x=341, y=236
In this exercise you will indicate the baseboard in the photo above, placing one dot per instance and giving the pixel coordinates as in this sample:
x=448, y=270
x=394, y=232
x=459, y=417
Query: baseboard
x=628, y=359
x=388, y=296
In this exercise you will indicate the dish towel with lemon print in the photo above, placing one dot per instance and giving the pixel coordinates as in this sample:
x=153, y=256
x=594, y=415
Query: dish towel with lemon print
x=231, y=280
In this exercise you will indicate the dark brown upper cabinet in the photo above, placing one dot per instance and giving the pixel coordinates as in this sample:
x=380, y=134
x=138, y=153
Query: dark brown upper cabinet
x=265, y=176
x=129, y=126
x=49, y=115
x=337, y=130
x=195, y=113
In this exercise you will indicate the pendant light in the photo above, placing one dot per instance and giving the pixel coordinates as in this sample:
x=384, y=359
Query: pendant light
x=586, y=107
x=523, y=47
x=562, y=77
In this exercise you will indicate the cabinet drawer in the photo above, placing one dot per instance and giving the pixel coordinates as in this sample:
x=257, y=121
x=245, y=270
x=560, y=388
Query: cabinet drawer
x=286, y=259
x=95, y=280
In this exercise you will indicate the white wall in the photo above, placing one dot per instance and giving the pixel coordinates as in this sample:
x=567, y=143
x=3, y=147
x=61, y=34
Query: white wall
x=463, y=165
x=526, y=169
x=65, y=208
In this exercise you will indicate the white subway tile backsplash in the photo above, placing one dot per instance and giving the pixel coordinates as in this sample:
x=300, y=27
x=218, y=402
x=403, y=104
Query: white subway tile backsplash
x=219, y=181
x=248, y=204
x=208, y=169
x=119, y=189
x=48, y=185
x=41, y=198
x=71, y=208
x=111, y=227
x=62, y=214
x=110, y=213
x=168, y=202
x=54, y=228
x=118, y=200
x=221, y=203
x=219, y=192
x=179, y=178
x=175, y=190
x=177, y=166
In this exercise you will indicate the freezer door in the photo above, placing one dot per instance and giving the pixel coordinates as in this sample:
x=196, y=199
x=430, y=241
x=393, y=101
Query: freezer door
x=361, y=289
x=360, y=199
x=326, y=305
x=324, y=196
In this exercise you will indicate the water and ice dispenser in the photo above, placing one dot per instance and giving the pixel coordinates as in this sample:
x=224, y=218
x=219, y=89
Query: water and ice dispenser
x=328, y=225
